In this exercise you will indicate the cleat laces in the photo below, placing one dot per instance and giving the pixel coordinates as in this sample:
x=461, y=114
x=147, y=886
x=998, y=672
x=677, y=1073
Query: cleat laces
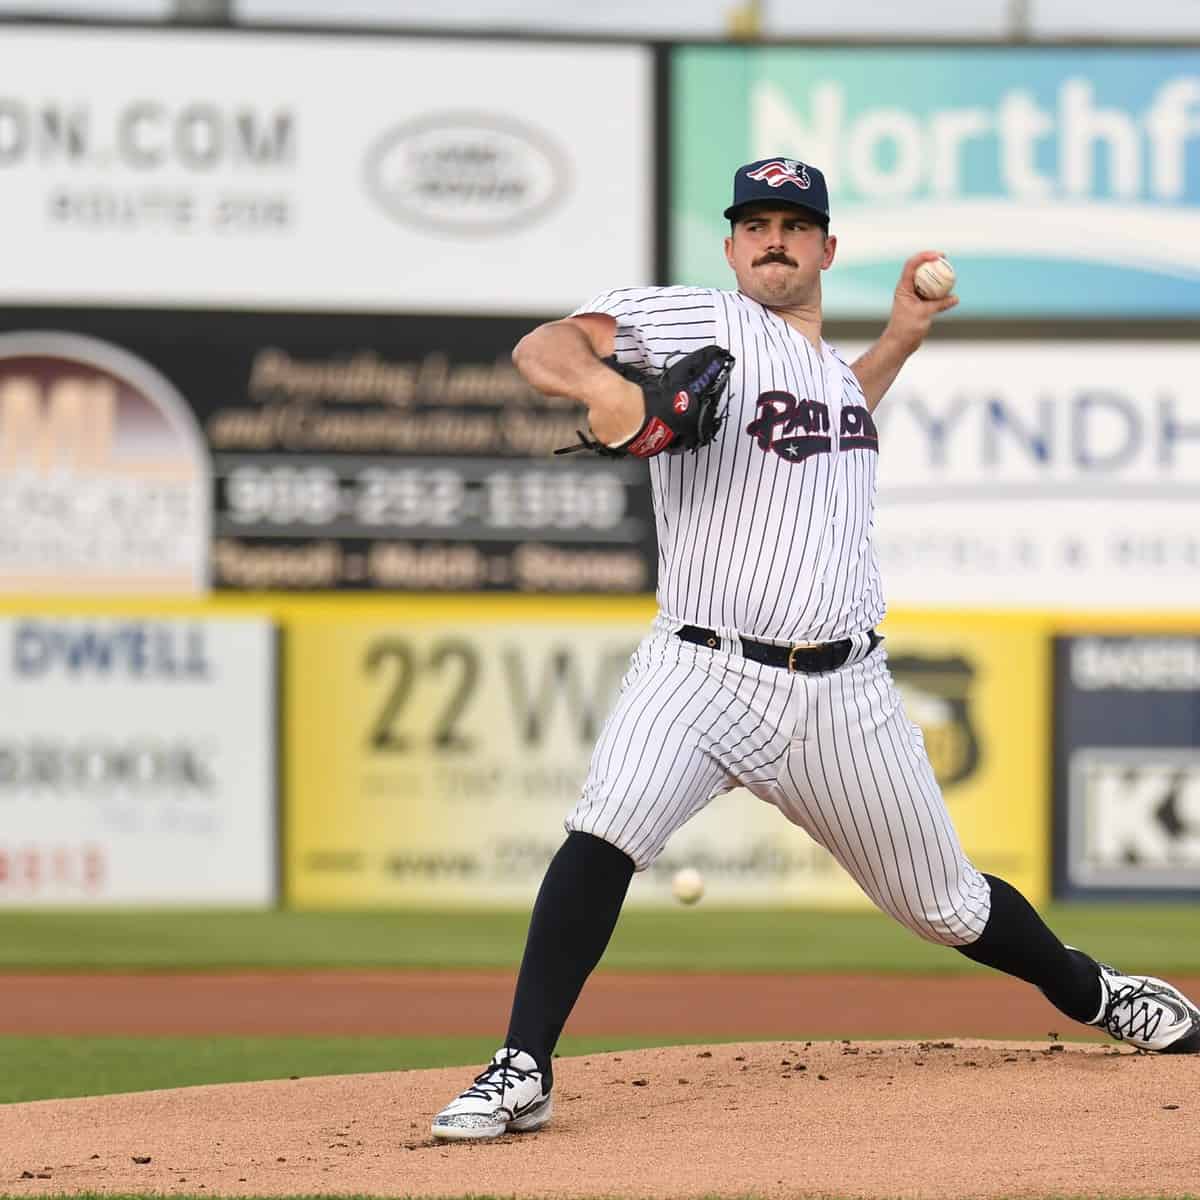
x=1139, y=1022
x=492, y=1082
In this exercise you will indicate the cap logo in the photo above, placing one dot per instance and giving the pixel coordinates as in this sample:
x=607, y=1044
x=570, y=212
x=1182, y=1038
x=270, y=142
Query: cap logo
x=779, y=171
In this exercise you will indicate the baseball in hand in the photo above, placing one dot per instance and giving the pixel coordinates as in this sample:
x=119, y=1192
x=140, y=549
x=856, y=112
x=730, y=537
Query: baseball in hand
x=934, y=280
x=687, y=885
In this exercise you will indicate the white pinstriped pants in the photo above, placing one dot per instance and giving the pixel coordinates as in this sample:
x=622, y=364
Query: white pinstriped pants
x=833, y=752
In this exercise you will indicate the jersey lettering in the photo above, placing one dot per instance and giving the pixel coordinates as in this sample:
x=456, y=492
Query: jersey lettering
x=858, y=429
x=781, y=413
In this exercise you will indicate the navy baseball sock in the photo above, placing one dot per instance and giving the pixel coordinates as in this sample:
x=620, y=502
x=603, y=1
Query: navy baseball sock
x=1018, y=942
x=573, y=917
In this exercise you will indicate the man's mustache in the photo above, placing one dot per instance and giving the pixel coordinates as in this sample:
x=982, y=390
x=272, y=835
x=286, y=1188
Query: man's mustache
x=774, y=256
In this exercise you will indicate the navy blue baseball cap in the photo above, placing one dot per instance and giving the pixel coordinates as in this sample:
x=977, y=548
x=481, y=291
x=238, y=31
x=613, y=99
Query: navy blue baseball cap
x=780, y=181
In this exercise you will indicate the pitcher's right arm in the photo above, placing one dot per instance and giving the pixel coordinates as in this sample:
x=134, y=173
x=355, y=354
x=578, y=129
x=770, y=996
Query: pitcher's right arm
x=563, y=358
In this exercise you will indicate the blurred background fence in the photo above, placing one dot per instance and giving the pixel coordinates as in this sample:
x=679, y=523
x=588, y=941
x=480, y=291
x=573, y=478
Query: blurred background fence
x=295, y=606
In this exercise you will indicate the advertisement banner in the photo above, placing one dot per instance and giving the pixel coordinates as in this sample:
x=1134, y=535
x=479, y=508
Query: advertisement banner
x=137, y=761
x=1127, y=765
x=1043, y=474
x=345, y=451
x=434, y=755
x=1060, y=181
x=978, y=686
x=104, y=475
x=205, y=168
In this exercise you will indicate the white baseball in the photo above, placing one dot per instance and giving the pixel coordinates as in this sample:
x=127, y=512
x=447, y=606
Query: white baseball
x=934, y=279
x=687, y=885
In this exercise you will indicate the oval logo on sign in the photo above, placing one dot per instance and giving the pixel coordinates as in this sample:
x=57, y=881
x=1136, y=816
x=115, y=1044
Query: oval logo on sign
x=466, y=173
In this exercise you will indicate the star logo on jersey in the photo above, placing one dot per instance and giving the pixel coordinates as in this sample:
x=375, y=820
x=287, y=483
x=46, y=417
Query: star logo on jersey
x=682, y=402
x=937, y=696
x=780, y=171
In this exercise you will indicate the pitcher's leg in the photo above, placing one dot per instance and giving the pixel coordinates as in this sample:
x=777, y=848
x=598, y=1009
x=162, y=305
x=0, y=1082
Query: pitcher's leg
x=653, y=768
x=1149, y=1013
x=573, y=918
x=858, y=780
x=650, y=772
x=1013, y=938
x=1018, y=942
x=661, y=756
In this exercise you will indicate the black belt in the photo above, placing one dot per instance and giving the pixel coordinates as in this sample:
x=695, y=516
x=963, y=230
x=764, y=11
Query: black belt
x=809, y=659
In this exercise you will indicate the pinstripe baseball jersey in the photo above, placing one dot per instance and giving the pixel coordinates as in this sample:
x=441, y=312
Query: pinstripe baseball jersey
x=767, y=531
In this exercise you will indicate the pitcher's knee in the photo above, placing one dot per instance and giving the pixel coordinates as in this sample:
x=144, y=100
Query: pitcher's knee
x=958, y=917
x=951, y=925
x=641, y=851
x=954, y=917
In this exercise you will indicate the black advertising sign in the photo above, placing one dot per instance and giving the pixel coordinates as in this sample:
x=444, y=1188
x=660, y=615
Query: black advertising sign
x=375, y=452
x=1127, y=765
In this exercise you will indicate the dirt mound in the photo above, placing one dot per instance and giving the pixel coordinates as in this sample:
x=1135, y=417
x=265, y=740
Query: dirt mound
x=869, y=1119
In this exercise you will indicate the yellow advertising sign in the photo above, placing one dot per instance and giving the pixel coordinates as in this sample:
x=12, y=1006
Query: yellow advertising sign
x=979, y=689
x=432, y=756
x=432, y=760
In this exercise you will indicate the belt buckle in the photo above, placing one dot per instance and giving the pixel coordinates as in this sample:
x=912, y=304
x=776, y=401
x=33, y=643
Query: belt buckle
x=792, y=650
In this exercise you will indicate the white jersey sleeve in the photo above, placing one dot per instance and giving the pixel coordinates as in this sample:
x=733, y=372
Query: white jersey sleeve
x=655, y=324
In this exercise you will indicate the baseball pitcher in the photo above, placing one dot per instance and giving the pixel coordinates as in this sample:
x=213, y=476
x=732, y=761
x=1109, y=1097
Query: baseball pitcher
x=763, y=668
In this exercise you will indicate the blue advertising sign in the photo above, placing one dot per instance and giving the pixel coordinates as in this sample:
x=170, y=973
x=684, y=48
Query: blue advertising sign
x=1127, y=765
x=1059, y=181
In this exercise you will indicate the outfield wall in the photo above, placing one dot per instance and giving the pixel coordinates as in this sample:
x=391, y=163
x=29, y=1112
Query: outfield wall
x=427, y=749
x=239, y=361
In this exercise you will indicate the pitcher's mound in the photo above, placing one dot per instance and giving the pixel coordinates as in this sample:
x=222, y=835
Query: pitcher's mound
x=870, y=1119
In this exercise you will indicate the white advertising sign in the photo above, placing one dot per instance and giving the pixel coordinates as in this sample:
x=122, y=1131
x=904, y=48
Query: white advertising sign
x=1134, y=818
x=137, y=761
x=1026, y=475
x=290, y=171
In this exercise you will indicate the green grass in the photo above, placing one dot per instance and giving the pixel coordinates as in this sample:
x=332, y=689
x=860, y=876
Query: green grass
x=44, y=1068
x=1157, y=938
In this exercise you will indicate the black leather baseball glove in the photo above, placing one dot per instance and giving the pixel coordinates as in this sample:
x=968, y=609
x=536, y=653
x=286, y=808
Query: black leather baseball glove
x=683, y=405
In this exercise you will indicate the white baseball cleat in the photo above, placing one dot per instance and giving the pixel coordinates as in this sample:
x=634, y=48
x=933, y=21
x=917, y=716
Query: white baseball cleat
x=1147, y=1013
x=506, y=1097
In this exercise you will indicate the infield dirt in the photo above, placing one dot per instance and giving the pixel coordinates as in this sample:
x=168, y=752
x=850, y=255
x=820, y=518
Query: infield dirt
x=937, y=1120
x=451, y=1003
